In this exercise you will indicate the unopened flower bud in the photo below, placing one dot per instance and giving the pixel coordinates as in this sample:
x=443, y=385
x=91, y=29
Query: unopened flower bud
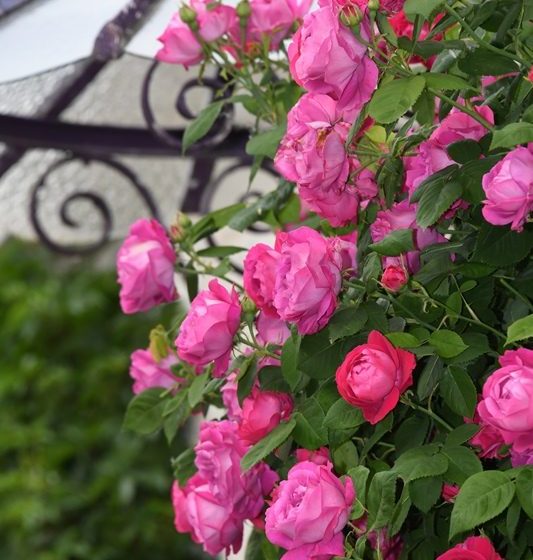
x=178, y=229
x=248, y=306
x=373, y=5
x=188, y=16
x=243, y=9
x=158, y=343
x=351, y=16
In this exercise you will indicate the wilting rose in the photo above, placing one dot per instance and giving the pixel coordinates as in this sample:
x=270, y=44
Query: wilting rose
x=147, y=373
x=508, y=187
x=145, y=266
x=206, y=334
x=374, y=375
x=309, y=511
x=474, y=548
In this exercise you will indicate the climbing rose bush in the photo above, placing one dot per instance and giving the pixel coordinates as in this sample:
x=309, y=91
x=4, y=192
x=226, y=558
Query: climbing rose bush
x=369, y=375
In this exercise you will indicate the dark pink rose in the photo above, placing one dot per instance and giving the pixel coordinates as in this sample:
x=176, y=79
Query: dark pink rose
x=390, y=548
x=259, y=276
x=308, y=279
x=147, y=373
x=507, y=402
x=449, y=492
x=374, y=375
x=474, y=548
x=488, y=439
x=319, y=456
x=394, y=278
x=325, y=57
x=508, y=187
x=519, y=459
x=145, y=266
x=206, y=334
x=309, y=512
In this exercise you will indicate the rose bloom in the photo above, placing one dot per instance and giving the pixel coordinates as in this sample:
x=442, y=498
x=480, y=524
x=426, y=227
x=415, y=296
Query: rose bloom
x=508, y=187
x=394, y=277
x=206, y=334
x=312, y=153
x=145, y=266
x=507, y=402
x=229, y=397
x=488, y=439
x=474, y=548
x=271, y=329
x=309, y=512
x=147, y=373
x=259, y=276
x=180, y=45
x=325, y=57
x=449, y=492
x=523, y=458
x=319, y=456
x=374, y=375
x=390, y=548
x=308, y=279
x=262, y=411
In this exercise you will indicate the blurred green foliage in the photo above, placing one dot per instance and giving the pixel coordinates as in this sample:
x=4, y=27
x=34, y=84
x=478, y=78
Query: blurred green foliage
x=72, y=484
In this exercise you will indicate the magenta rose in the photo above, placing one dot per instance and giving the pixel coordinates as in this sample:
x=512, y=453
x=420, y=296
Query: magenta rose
x=319, y=456
x=308, y=279
x=394, y=277
x=313, y=154
x=474, y=548
x=309, y=511
x=147, y=373
x=508, y=187
x=449, y=492
x=374, y=375
x=206, y=334
x=262, y=411
x=390, y=548
x=230, y=398
x=488, y=439
x=325, y=57
x=507, y=399
x=271, y=329
x=259, y=276
x=145, y=266
x=519, y=459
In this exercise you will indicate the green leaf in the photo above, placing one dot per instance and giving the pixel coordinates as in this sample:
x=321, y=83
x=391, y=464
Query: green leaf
x=343, y=415
x=246, y=378
x=196, y=390
x=512, y=135
x=397, y=242
x=266, y=143
x=445, y=81
x=500, y=246
x=411, y=433
x=390, y=179
x=201, y=125
x=423, y=8
x=482, y=497
x=381, y=499
x=429, y=377
x=214, y=221
x=524, y=490
x=359, y=476
x=447, y=343
x=184, y=467
x=393, y=99
x=346, y=322
x=461, y=434
x=191, y=280
x=220, y=251
x=403, y=340
x=520, y=330
x=310, y=431
x=145, y=411
x=440, y=178
x=345, y=457
x=424, y=492
x=421, y=462
x=259, y=548
x=435, y=200
x=268, y=444
x=271, y=379
x=464, y=151
x=483, y=62
x=478, y=345
x=458, y=391
x=425, y=108
x=289, y=360
x=401, y=511
x=462, y=463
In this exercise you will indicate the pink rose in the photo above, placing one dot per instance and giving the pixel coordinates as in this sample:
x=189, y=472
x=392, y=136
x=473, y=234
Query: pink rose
x=271, y=330
x=508, y=187
x=530, y=74
x=349, y=6
x=206, y=334
x=519, y=459
x=474, y=548
x=181, y=45
x=507, y=402
x=262, y=411
x=325, y=57
x=449, y=492
x=308, y=279
x=389, y=548
x=488, y=439
x=312, y=153
x=394, y=277
x=145, y=265
x=309, y=512
x=319, y=456
x=374, y=375
x=229, y=397
x=147, y=373
x=345, y=251
x=259, y=276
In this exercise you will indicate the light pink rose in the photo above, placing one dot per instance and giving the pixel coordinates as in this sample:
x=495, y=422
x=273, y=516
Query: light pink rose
x=319, y=456
x=507, y=402
x=374, y=375
x=449, y=492
x=308, y=279
x=312, y=153
x=259, y=276
x=508, y=187
x=206, y=334
x=394, y=277
x=309, y=512
x=229, y=397
x=145, y=266
x=519, y=459
x=271, y=329
x=147, y=373
x=180, y=44
x=262, y=411
x=325, y=57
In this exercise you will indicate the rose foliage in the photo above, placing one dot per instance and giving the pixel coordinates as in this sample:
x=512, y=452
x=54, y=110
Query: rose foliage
x=374, y=362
